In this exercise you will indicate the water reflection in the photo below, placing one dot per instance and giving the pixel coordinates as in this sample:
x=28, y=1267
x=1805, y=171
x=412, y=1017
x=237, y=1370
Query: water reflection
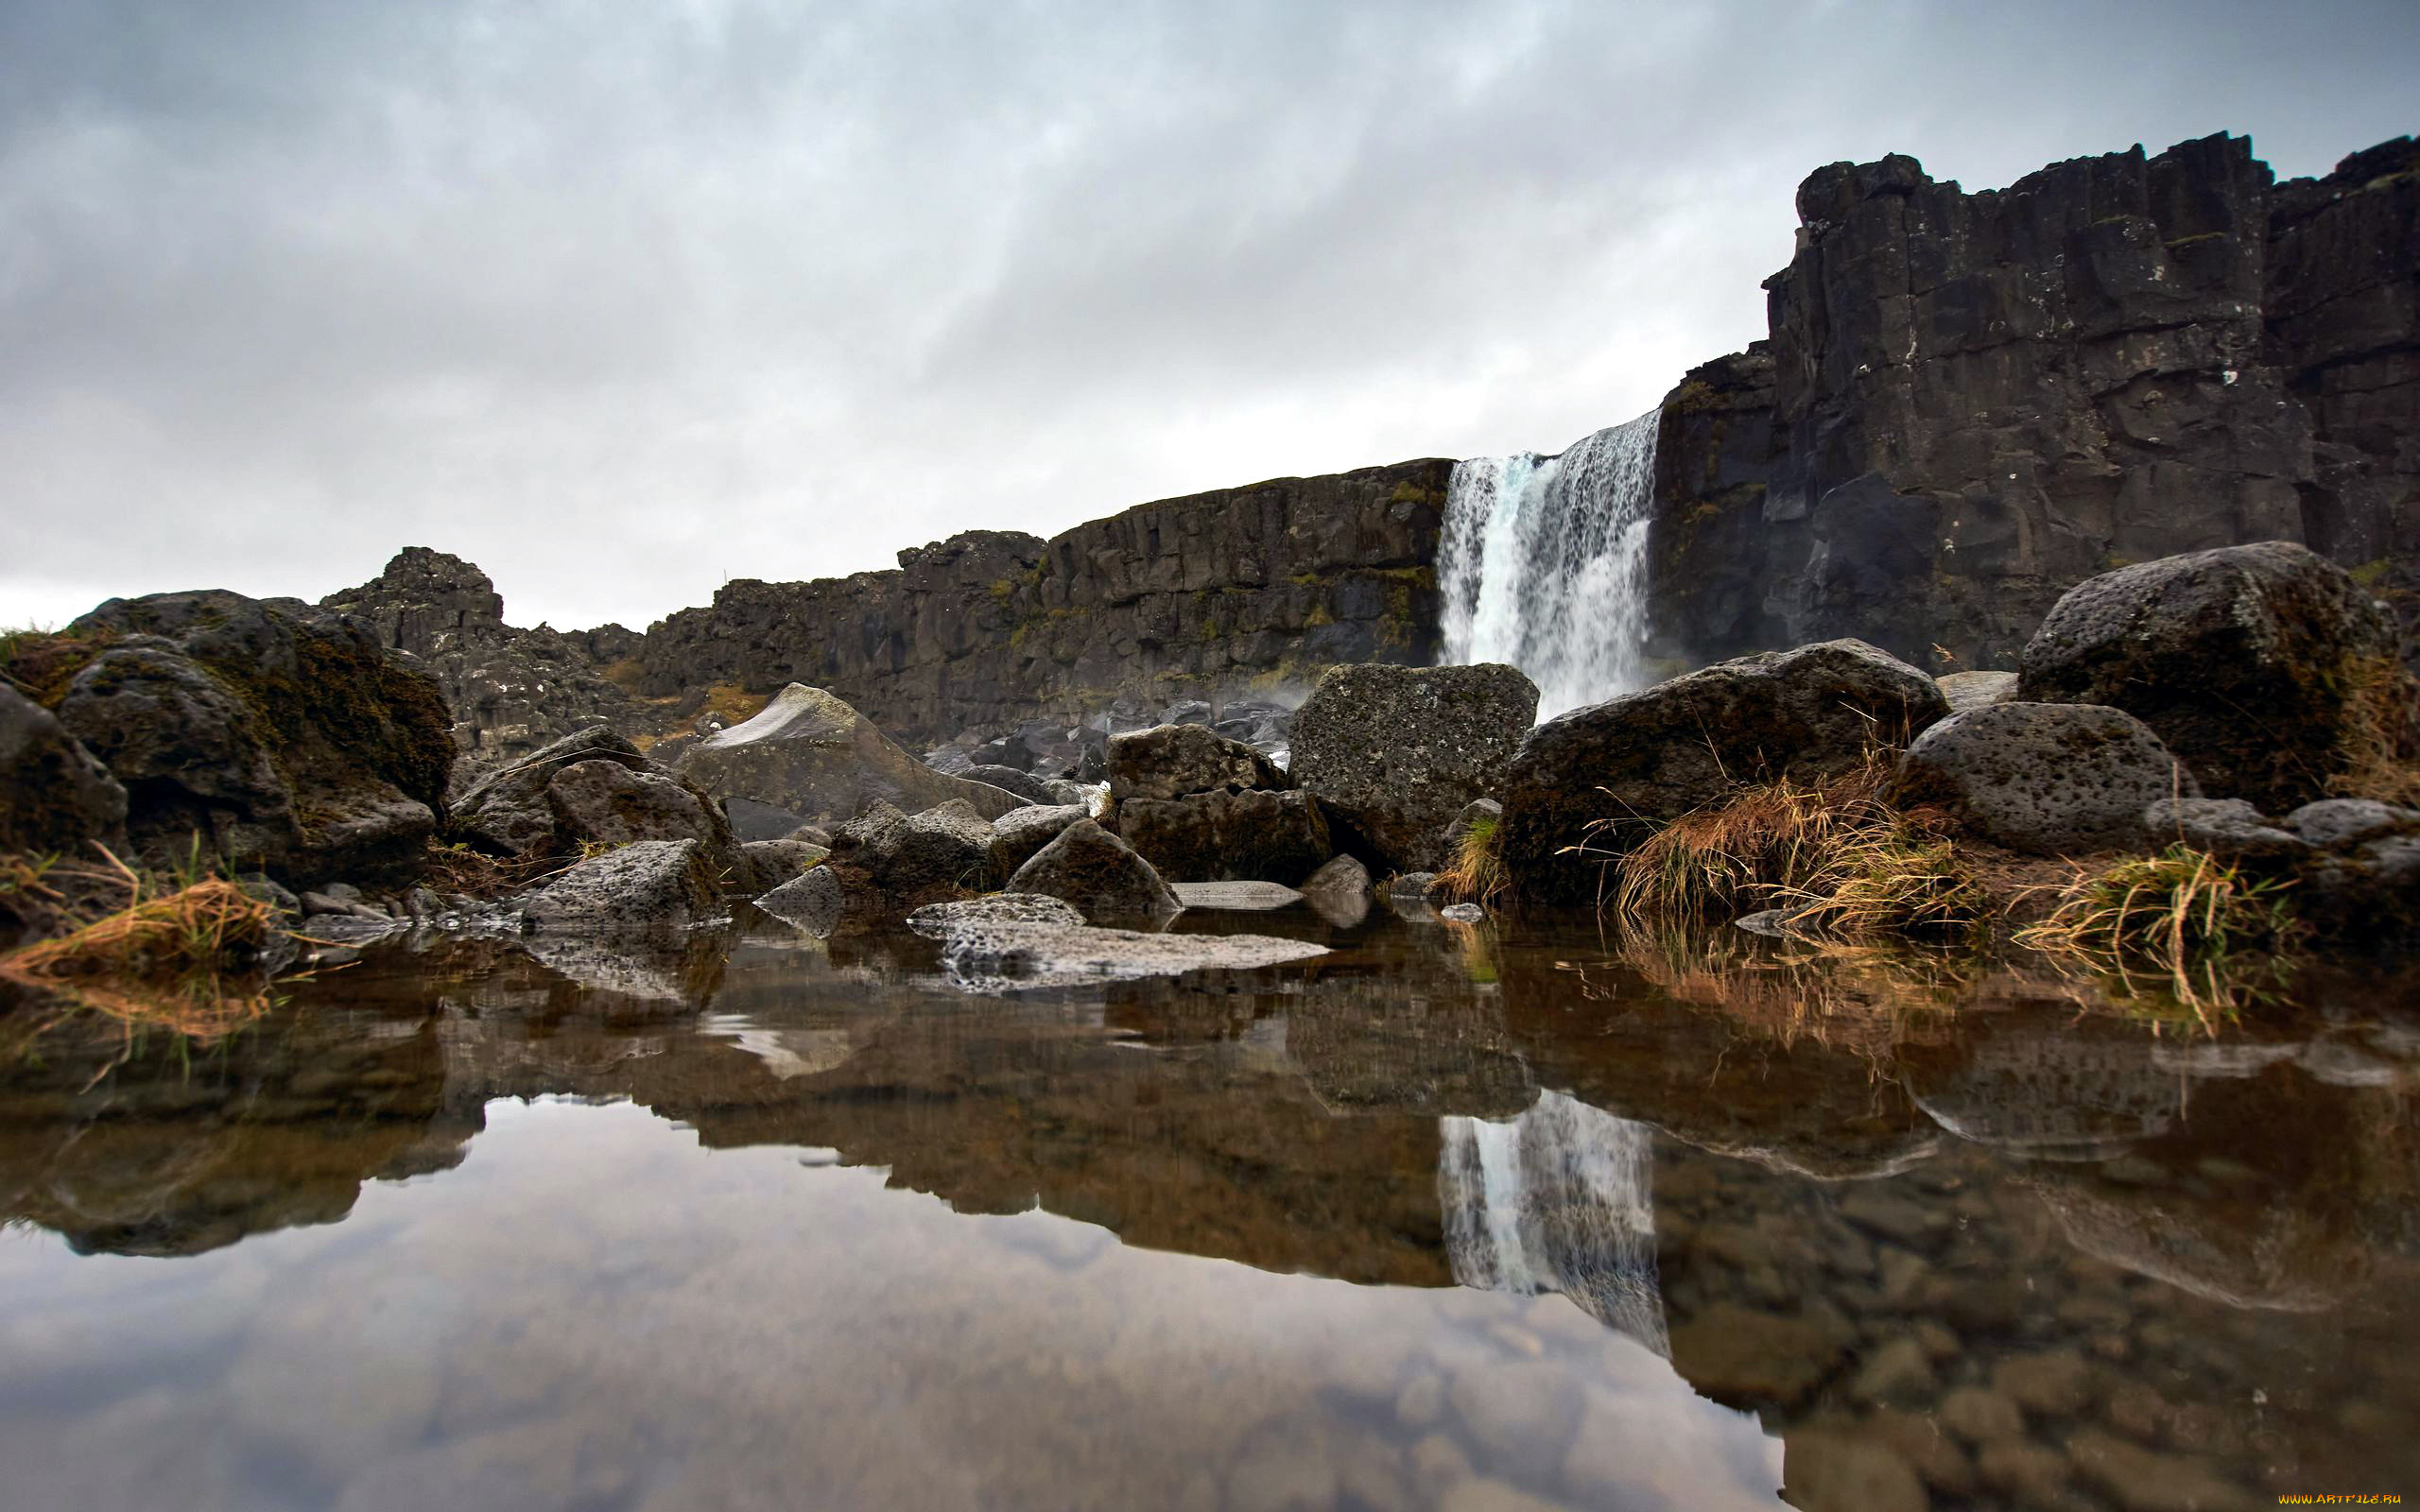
x=778, y=1221
x=1557, y=1200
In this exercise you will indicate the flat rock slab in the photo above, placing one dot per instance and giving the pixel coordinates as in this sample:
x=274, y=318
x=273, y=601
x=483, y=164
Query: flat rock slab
x=993, y=956
x=1241, y=897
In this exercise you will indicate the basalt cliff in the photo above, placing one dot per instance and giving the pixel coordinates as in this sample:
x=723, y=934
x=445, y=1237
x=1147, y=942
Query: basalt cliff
x=1967, y=403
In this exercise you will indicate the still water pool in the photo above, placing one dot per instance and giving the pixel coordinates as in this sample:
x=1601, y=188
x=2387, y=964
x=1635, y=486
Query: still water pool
x=1446, y=1219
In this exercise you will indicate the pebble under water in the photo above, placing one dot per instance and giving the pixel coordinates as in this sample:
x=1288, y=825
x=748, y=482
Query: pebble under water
x=1454, y=1217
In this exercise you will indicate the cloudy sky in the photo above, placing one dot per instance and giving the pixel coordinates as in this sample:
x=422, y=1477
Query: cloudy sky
x=624, y=301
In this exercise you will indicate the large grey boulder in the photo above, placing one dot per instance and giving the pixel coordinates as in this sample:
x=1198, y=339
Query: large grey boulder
x=55, y=796
x=287, y=744
x=1098, y=872
x=590, y=787
x=1023, y=831
x=613, y=804
x=2227, y=828
x=1175, y=760
x=988, y=955
x=652, y=888
x=2050, y=779
x=812, y=755
x=2260, y=665
x=939, y=920
x=769, y=864
x=815, y=902
x=1395, y=752
x=1647, y=757
x=1229, y=837
x=946, y=848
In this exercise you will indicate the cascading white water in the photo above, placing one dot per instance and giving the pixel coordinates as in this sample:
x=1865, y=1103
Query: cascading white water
x=1544, y=564
x=1557, y=1200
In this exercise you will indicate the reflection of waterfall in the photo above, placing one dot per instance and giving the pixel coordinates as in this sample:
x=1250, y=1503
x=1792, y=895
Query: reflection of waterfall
x=1556, y=1200
x=1544, y=564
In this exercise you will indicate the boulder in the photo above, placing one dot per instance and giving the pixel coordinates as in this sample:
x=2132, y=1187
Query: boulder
x=2361, y=883
x=2227, y=828
x=654, y=887
x=591, y=785
x=1395, y=752
x=1025, y=831
x=607, y=803
x=769, y=864
x=1234, y=896
x=812, y=755
x=1100, y=874
x=1340, y=891
x=939, y=920
x=1645, y=758
x=815, y=902
x=1175, y=760
x=2050, y=779
x=2262, y=667
x=1222, y=837
x=1974, y=690
x=289, y=746
x=1009, y=780
x=54, y=795
x=946, y=851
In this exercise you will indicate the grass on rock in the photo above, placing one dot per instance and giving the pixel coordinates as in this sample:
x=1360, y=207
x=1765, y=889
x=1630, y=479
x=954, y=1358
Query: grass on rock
x=1476, y=874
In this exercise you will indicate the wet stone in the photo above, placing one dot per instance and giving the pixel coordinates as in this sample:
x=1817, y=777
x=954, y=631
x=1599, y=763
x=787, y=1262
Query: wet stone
x=2057, y=1383
x=1900, y=1372
x=2142, y=1480
x=1981, y=1415
x=1840, y=1472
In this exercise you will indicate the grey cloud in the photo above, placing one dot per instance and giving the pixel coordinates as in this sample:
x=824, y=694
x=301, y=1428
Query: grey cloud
x=621, y=301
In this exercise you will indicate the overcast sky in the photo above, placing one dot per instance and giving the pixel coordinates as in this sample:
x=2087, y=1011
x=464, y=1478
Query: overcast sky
x=623, y=301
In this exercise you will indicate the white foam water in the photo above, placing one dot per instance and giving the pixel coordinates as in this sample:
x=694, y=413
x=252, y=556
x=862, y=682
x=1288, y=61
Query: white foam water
x=1544, y=564
x=1559, y=1200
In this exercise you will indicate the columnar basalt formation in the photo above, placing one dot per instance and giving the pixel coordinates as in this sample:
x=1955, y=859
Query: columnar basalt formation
x=1970, y=401
x=1212, y=595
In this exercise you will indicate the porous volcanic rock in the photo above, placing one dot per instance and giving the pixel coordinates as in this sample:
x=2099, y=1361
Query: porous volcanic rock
x=1098, y=872
x=2260, y=666
x=612, y=803
x=2050, y=779
x=287, y=745
x=1176, y=761
x=1605, y=776
x=944, y=852
x=812, y=755
x=1395, y=752
x=651, y=887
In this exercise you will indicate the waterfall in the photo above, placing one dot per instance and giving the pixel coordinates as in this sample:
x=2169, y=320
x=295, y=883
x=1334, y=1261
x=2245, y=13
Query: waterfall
x=1544, y=564
x=1557, y=1200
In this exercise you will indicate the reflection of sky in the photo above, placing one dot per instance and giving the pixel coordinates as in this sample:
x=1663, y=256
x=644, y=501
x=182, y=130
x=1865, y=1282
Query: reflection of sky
x=592, y=1307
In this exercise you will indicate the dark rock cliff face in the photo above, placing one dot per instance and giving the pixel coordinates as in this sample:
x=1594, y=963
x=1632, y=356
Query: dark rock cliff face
x=1971, y=402
x=512, y=691
x=1212, y=595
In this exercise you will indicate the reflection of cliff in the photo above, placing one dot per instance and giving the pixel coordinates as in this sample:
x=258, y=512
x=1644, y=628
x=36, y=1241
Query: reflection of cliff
x=1559, y=1200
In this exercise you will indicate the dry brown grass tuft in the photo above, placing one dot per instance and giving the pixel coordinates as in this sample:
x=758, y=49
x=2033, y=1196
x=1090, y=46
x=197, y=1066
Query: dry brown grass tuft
x=2375, y=760
x=2181, y=924
x=1476, y=873
x=158, y=962
x=1843, y=859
